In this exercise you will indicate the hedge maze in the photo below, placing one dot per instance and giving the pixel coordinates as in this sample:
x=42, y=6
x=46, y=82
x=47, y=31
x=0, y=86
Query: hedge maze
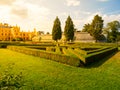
x=71, y=54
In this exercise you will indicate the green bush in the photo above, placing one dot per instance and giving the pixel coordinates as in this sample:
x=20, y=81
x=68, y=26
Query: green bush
x=50, y=49
x=48, y=55
x=99, y=55
x=58, y=50
x=3, y=45
x=11, y=81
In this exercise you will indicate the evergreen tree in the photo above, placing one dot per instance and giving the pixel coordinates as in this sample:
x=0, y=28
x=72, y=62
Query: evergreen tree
x=69, y=29
x=56, y=31
x=96, y=26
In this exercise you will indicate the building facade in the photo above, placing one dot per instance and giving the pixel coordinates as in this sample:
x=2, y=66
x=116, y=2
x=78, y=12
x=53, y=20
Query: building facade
x=9, y=33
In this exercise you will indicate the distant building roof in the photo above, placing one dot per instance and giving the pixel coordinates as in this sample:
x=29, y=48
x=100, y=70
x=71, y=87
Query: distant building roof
x=83, y=36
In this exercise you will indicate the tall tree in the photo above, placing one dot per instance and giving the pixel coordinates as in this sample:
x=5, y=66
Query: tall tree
x=69, y=29
x=96, y=27
x=56, y=31
x=112, y=30
x=86, y=28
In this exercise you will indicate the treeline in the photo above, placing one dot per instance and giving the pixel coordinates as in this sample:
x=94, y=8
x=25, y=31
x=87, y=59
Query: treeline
x=95, y=28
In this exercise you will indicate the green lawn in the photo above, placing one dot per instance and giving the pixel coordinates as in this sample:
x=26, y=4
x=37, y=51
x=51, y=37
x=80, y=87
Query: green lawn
x=42, y=74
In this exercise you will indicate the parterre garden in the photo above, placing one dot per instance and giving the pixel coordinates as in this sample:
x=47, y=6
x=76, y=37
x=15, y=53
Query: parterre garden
x=80, y=54
x=44, y=74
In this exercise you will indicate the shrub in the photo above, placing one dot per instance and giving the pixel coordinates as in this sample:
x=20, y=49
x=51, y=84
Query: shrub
x=11, y=81
x=58, y=50
x=48, y=55
x=3, y=45
x=99, y=55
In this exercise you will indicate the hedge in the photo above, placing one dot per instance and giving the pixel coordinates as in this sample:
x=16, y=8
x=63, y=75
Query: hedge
x=86, y=59
x=3, y=45
x=47, y=55
x=68, y=52
x=99, y=55
x=78, y=54
x=58, y=50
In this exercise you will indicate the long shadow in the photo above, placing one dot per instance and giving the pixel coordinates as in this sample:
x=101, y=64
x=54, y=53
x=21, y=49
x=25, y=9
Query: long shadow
x=100, y=62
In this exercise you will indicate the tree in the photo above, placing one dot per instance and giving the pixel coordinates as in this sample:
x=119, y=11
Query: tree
x=56, y=31
x=69, y=29
x=112, y=31
x=86, y=28
x=96, y=26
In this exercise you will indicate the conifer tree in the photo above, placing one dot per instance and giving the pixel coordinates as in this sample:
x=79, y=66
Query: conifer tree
x=69, y=29
x=56, y=31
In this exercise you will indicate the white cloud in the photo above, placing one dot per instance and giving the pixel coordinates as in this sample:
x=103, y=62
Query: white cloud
x=73, y=2
x=110, y=18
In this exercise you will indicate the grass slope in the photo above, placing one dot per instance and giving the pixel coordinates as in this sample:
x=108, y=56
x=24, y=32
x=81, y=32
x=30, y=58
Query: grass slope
x=42, y=74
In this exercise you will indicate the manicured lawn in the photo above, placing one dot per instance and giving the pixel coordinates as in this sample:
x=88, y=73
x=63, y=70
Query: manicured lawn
x=42, y=74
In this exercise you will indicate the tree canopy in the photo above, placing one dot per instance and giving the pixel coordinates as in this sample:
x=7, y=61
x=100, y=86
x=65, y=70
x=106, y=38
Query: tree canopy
x=96, y=27
x=86, y=28
x=112, y=30
x=56, y=31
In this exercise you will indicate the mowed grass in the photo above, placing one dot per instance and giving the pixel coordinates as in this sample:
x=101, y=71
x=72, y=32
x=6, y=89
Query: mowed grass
x=42, y=74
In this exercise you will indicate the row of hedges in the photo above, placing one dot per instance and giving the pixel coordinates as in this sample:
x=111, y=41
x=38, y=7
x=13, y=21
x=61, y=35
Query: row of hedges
x=94, y=56
x=99, y=55
x=48, y=55
x=68, y=52
x=3, y=45
x=78, y=54
x=83, y=52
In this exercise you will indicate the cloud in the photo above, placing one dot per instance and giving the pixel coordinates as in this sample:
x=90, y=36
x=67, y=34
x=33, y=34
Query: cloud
x=110, y=18
x=6, y=2
x=73, y=2
x=29, y=15
x=19, y=11
x=103, y=0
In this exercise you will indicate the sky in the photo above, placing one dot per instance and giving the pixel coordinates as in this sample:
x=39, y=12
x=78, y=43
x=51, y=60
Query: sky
x=40, y=14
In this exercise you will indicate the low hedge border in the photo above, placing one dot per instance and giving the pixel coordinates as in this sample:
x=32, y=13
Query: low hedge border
x=47, y=55
x=99, y=55
x=3, y=45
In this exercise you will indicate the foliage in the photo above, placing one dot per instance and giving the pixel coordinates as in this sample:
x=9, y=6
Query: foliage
x=69, y=29
x=56, y=31
x=96, y=26
x=112, y=31
x=91, y=58
x=11, y=81
x=47, y=55
x=86, y=28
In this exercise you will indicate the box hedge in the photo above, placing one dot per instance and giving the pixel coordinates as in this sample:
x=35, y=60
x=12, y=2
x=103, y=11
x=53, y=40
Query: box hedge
x=94, y=57
x=48, y=55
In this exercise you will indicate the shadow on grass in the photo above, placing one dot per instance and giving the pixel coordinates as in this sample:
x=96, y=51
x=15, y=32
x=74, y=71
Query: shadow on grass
x=100, y=62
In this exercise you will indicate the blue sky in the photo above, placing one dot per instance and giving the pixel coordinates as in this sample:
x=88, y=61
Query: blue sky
x=40, y=14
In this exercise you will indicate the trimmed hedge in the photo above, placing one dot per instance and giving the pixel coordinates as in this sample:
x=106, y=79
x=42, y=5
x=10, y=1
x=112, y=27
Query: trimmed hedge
x=58, y=50
x=94, y=56
x=78, y=54
x=99, y=55
x=47, y=55
x=3, y=45
x=68, y=52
